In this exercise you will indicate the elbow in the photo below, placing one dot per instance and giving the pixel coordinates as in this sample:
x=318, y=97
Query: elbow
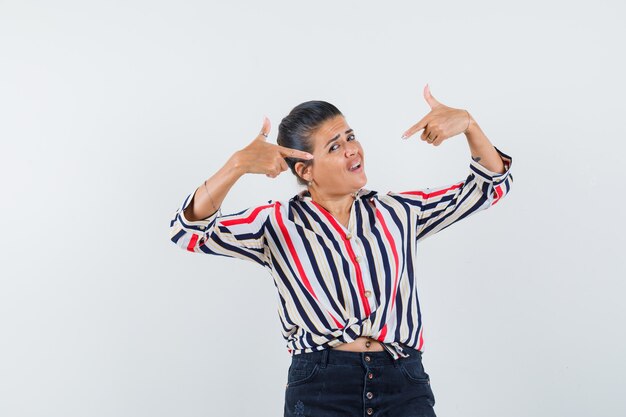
x=500, y=191
x=190, y=237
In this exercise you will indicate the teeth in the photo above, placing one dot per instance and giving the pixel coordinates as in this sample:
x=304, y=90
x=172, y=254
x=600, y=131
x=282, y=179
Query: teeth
x=355, y=166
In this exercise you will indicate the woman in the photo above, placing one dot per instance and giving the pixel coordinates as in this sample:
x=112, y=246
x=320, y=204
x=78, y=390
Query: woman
x=343, y=257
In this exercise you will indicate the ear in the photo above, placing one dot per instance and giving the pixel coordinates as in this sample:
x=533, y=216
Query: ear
x=303, y=170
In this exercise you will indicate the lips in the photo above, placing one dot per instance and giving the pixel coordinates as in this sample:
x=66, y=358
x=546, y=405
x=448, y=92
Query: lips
x=355, y=165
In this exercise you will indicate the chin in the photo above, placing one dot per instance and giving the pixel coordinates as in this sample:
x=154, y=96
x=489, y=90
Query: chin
x=364, y=179
x=361, y=183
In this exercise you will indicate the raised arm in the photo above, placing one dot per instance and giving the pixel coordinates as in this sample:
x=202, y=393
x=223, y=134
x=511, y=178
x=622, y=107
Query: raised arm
x=198, y=224
x=205, y=203
x=259, y=157
x=482, y=150
x=488, y=180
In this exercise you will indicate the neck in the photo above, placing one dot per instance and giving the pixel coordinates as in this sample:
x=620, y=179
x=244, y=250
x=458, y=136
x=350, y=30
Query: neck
x=336, y=204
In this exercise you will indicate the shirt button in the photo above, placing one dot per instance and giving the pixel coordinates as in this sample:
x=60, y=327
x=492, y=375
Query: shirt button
x=370, y=376
x=358, y=258
x=370, y=411
x=367, y=359
x=202, y=228
x=349, y=236
x=368, y=293
x=369, y=395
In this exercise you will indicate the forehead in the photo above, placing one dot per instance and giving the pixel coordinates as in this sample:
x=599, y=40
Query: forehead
x=329, y=129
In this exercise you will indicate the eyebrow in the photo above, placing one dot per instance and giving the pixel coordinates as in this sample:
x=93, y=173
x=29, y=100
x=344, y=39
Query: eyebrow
x=337, y=137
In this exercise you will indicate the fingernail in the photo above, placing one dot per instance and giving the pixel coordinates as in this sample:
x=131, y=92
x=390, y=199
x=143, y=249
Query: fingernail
x=404, y=136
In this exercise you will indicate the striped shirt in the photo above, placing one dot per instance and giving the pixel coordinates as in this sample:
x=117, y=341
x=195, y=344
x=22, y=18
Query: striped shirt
x=337, y=283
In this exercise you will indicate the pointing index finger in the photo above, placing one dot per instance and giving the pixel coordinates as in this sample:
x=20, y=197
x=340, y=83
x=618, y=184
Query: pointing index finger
x=416, y=127
x=294, y=153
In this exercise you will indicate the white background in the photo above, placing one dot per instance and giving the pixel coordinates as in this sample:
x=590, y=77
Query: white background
x=111, y=112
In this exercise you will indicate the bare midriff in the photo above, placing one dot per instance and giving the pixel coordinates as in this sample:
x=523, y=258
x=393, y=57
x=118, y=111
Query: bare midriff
x=361, y=344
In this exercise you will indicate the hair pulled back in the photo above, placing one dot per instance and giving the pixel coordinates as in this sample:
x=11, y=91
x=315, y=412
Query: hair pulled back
x=296, y=129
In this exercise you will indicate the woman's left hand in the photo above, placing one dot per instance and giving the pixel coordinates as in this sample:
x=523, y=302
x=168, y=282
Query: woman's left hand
x=441, y=123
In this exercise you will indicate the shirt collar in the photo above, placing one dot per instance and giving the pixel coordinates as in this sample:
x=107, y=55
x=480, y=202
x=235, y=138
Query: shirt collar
x=363, y=193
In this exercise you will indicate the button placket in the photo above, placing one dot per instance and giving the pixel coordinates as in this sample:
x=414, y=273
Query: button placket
x=358, y=263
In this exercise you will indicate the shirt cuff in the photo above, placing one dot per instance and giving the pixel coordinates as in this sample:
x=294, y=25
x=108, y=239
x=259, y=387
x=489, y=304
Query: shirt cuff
x=199, y=225
x=491, y=176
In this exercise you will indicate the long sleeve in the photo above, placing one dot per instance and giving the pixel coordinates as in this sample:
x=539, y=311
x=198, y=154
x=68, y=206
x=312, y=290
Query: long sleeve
x=238, y=235
x=437, y=208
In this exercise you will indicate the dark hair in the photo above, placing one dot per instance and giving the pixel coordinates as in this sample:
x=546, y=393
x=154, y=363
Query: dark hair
x=297, y=128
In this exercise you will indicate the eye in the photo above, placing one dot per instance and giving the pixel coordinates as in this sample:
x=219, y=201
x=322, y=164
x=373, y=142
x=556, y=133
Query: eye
x=335, y=145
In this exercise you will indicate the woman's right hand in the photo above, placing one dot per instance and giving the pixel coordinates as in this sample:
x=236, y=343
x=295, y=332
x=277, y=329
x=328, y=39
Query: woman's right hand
x=262, y=157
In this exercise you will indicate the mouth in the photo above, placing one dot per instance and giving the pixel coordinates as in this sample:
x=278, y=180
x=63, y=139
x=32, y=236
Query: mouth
x=356, y=166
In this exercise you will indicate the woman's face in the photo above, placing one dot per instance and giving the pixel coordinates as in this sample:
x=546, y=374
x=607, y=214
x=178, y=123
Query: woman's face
x=338, y=163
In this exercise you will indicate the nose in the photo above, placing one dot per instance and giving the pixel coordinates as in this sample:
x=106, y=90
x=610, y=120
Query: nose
x=351, y=148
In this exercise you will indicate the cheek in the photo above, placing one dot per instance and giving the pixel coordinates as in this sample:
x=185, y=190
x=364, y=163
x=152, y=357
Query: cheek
x=330, y=169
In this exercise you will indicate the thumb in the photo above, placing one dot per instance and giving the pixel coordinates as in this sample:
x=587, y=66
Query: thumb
x=432, y=102
x=265, y=130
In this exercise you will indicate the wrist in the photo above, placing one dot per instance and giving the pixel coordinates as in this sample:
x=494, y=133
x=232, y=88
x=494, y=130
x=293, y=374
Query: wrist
x=472, y=126
x=235, y=166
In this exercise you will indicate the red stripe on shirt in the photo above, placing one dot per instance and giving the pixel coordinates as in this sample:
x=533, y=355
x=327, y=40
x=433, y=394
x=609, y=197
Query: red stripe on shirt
x=357, y=267
x=192, y=242
x=434, y=193
x=498, y=192
x=421, y=341
x=294, y=254
x=383, y=333
x=249, y=219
